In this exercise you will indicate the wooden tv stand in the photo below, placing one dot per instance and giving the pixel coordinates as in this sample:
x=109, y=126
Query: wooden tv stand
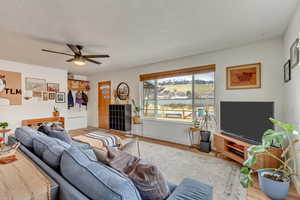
x=237, y=150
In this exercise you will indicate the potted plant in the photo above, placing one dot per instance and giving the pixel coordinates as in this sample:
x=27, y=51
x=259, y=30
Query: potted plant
x=274, y=182
x=207, y=123
x=3, y=125
x=55, y=112
x=136, y=109
x=196, y=123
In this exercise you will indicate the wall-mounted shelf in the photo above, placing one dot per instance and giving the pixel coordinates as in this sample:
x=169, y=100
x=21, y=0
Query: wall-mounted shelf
x=78, y=85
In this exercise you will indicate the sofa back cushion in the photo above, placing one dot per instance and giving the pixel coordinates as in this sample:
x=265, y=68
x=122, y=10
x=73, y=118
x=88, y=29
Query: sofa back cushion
x=49, y=150
x=94, y=179
x=25, y=135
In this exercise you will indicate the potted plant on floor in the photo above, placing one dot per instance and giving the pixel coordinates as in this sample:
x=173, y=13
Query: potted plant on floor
x=274, y=182
x=55, y=112
x=136, y=118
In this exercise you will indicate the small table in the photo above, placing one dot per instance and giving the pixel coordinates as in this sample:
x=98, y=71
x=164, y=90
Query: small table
x=4, y=132
x=191, y=133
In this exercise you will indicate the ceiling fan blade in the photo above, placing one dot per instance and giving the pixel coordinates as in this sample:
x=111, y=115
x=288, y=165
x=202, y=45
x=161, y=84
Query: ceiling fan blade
x=96, y=56
x=46, y=50
x=74, y=48
x=93, y=61
x=70, y=60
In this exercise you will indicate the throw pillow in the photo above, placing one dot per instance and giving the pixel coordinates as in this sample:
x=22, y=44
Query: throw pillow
x=55, y=133
x=146, y=177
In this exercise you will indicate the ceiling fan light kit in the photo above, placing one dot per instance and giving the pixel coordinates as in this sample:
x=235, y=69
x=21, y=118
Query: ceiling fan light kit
x=78, y=58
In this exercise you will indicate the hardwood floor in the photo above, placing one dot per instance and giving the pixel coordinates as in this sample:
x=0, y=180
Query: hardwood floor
x=253, y=193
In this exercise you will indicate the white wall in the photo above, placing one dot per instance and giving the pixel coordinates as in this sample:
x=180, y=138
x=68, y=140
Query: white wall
x=268, y=52
x=33, y=108
x=292, y=88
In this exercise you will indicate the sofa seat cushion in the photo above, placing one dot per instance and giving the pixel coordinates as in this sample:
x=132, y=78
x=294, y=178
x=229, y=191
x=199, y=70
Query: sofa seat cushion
x=25, y=135
x=192, y=189
x=49, y=150
x=94, y=179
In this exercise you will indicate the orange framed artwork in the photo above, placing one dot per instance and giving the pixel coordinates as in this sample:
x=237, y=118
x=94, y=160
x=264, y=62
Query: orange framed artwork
x=243, y=76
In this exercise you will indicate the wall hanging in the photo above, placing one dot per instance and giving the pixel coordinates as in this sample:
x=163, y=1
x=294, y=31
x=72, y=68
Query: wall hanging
x=10, y=88
x=294, y=54
x=287, y=71
x=35, y=84
x=60, y=97
x=243, y=76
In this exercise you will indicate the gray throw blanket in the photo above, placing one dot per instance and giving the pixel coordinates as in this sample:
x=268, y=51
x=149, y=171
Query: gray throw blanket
x=146, y=177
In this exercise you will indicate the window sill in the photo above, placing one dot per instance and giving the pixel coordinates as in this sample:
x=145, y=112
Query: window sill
x=168, y=121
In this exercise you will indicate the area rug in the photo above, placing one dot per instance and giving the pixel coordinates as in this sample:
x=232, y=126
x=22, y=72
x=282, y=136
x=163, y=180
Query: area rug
x=178, y=164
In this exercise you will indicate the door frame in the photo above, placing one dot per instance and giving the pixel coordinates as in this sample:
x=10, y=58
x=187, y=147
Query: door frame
x=99, y=104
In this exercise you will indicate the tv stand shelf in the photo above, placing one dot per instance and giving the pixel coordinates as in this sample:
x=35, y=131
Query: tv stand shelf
x=237, y=150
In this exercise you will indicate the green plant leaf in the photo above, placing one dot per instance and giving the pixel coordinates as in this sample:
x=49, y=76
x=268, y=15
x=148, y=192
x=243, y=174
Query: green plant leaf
x=245, y=170
x=275, y=139
x=256, y=149
x=251, y=160
x=287, y=127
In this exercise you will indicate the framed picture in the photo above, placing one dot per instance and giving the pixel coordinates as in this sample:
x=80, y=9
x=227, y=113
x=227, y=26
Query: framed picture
x=60, y=97
x=294, y=54
x=287, y=71
x=52, y=95
x=35, y=84
x=36, y=94
x=10, y=88
x=243, y=76
x=45, y=96
x=52, y=87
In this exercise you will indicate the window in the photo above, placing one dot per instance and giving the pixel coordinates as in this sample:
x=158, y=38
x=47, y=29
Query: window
x=182, y=97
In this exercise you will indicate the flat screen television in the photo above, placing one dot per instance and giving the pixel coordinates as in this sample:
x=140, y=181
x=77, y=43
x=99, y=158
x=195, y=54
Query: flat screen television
x=246, y=121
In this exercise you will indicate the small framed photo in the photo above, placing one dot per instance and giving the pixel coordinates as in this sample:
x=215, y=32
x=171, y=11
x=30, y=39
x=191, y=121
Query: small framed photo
x=52, y=87
x=45, y=96
x=294, y=54
x=52, y=95
x=60, y=97
x=36, y=94
x=287, y=71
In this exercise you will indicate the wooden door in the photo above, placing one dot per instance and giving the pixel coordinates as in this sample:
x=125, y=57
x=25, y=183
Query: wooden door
x=104, y=97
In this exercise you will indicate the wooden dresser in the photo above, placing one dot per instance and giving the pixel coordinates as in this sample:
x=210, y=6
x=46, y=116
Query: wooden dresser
x=236, y=150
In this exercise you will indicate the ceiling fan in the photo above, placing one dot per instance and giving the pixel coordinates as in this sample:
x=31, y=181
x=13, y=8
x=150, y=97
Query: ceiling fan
x=78, y=57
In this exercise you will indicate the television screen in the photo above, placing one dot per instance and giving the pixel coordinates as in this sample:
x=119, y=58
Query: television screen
x=246, y=121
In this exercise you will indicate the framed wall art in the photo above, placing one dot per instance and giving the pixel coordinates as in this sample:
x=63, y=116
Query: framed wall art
x=36, y=94
x=10, y=88
x=52, y=87
x=45, y=96
x=52, y=95
x=243, y=76
x=60, y=97
x=35, y=84
x=287, y=71
x=294, y=54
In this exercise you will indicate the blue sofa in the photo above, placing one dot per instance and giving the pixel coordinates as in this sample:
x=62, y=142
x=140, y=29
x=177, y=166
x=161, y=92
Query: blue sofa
x=80, y=176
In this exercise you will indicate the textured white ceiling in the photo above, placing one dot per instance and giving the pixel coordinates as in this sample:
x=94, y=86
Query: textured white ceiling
x=134, y=32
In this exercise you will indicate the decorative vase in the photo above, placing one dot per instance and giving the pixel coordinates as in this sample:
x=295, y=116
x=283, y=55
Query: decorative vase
x=136, y=119
x=274, y=189
x=55, y=114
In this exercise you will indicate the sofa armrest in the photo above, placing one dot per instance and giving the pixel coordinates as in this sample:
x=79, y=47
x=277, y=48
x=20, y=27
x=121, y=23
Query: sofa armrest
x=191, y=189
